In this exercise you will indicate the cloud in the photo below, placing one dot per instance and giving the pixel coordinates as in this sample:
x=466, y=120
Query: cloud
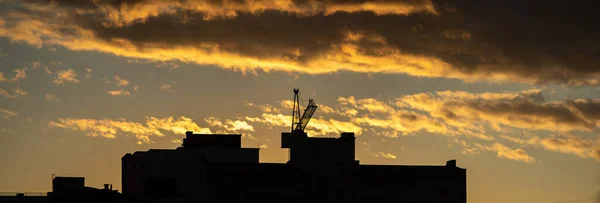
x=169, y=65
x=513, y=154
x=566, y=143
x=51, y=97
x=8, y=130
x=316, y=127
x=64, y=76
x=167, y=87
x=376, y=113
x=19, y=75
x=177, y=141
x=110, y=128
x=127, y=13
x=289, y=104
x=35, y=65
x=525, y=110
x=491, y=117
x=534, y=140
x=319, y=127
x=267, y=108
x=573, y=145
x=501, y=150
x=121, y=81
x=89, y=73
x=119, y=92
x=7, y=113
x=229, y=126
x=404, y=122
x=374, y=105
x=17, y=92
x=278, y=120
x=385, y=155
x=416, y=38
x=47, y=70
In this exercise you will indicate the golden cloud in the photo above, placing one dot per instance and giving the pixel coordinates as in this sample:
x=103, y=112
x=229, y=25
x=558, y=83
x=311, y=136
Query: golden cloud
x=568, y=144
x=51, y=97
x=109, y=128
x=459, y=113
x=121, y=81
x=19, y=75
x=572, y=145
x=385, y=37
x=229, y=126
x=17, y=92
x=385, y=155
x=317, y=126
x=513, y=154
x=168, y=87
x=128, y=13
x=89, y=73
x=267, y=108
x=289, y=104
x=119, y=92
x=7, y=113
x=404, y=122
x=526, y=110
x=63, y=76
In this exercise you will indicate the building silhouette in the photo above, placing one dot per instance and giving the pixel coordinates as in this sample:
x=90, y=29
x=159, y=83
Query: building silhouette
x=68, y=189
x=215, y=168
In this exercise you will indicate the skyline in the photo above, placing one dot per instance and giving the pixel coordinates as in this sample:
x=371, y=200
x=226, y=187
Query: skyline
x=513, y=99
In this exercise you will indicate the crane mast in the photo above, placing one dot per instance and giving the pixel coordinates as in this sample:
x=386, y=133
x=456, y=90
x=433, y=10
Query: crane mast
x=299, y=123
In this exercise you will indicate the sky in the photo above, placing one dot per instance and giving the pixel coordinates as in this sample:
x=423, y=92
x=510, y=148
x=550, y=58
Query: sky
x=510, y=89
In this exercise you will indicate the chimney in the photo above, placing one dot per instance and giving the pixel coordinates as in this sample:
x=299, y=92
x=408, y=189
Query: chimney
x=106, y=186
x=451, y=163
x=110, y=186
x=347, y=135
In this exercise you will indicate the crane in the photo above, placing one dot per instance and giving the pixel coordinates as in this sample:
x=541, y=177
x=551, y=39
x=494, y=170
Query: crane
x=299, y=123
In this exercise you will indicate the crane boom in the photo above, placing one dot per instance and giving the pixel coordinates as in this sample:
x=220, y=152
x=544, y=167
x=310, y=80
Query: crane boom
x=308, y=113
x=299, y=123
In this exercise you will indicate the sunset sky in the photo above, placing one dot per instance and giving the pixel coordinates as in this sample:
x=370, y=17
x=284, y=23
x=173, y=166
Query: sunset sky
x=510, y=89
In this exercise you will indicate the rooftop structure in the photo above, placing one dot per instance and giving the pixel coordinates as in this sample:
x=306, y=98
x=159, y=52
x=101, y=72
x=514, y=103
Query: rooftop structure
x=215, y=168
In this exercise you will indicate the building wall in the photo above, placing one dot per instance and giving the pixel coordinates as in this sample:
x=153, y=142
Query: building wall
x=320, y=170
x=423, y=184
x=284, y=183
x=185, y=166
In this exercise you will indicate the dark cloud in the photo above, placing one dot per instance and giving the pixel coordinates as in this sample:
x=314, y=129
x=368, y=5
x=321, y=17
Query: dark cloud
x=265, y=35
x=527, y=110
x=522, y=41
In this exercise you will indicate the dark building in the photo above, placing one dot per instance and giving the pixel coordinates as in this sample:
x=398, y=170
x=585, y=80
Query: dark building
x=180, y=174
x=68, y=189
x=214, y=168
x=73, y=189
